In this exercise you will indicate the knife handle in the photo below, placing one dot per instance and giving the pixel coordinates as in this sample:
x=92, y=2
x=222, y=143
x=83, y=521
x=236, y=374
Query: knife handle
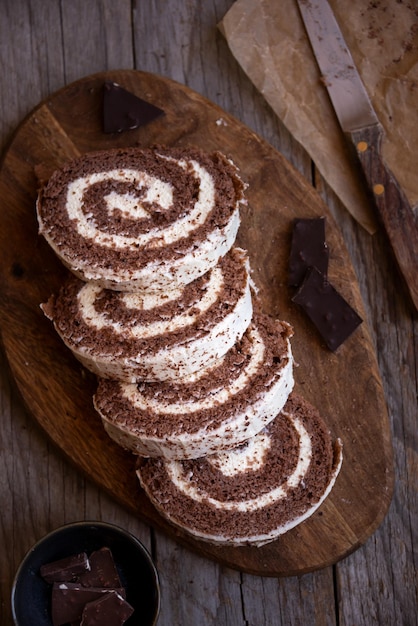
x=394, y=210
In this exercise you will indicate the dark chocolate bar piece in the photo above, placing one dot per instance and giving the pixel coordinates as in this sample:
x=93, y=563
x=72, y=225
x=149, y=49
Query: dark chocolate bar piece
x=110, y=610
x=102, y=572
x=122, y=110
x=69, y=600
x=328, y=310
x=308, y=249
x=66, y=569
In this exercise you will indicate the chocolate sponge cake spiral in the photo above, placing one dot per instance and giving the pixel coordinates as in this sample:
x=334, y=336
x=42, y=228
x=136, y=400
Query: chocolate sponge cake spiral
x=194, y=378
x=217, y=408
x=155, y=336
x=132, y=219
x=255, y=492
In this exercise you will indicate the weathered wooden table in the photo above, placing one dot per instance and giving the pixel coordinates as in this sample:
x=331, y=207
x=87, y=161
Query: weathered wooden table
x=47, y=45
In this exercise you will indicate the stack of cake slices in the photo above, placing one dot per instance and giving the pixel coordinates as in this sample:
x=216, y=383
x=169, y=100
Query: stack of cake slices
x=193, y=377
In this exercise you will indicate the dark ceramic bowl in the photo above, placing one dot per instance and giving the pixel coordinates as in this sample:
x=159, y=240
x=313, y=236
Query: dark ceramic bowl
x=31, y=595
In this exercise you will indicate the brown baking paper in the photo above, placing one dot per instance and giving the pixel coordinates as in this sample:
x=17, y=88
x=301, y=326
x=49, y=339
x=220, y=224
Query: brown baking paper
x=268, y=39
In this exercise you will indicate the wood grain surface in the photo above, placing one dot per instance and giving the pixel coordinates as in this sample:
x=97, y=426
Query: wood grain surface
x=345, y=385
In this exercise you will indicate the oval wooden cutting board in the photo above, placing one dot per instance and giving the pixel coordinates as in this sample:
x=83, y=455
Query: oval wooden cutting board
x=345, y=386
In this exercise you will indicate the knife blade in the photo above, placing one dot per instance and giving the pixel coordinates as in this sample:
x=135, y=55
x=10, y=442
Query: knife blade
x=361, y=126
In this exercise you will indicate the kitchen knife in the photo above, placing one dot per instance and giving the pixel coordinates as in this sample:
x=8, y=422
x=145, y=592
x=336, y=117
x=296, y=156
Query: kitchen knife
x=359, y=122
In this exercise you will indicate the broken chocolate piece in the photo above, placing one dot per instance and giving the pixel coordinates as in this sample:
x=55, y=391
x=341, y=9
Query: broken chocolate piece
x=102, y=572
x=109, y=610
x=328, y=310
x=122, y=110
x=65, y=570
x=308, y=249
x=69, y=600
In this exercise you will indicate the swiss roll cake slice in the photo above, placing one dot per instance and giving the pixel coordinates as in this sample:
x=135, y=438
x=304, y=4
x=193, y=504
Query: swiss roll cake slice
x=254, y=493
x=133, y=219
x=155, y=336
x=216, y=408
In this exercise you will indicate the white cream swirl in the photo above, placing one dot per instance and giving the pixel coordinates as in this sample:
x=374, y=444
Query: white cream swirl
x=89, y=293
x=156, y=191
x=216, y=397
x=160, y=335
x=155, y=220
x=249, y=456
x=233, y=461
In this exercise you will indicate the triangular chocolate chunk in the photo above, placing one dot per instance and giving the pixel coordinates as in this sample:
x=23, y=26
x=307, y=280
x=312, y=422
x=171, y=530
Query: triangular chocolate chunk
x=122, y=110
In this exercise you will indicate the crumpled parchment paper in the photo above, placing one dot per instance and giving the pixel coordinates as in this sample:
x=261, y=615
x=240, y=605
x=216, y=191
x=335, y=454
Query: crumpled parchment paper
x=268, y=39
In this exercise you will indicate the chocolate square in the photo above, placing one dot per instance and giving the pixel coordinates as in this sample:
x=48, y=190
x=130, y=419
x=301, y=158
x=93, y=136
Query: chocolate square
x=308, y=249
x=328, y=310
x=102, y=572
x=69, y=600
x=109, y=610
x=66, y=569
